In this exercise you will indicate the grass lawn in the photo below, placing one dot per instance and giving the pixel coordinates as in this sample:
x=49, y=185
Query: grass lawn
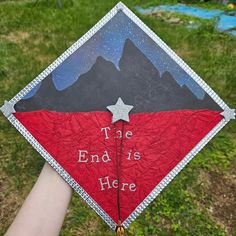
x=201, y=200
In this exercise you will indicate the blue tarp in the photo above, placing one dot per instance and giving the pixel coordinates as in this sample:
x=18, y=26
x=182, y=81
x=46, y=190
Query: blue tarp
x=224, y=22
x=181, y=8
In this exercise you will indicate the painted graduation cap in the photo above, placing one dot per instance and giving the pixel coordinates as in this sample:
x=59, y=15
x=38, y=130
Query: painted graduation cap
x=118, y=115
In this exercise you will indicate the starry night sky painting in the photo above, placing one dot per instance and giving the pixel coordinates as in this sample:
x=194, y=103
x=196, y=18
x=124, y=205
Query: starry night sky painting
x=120, y=60
x=108, y=43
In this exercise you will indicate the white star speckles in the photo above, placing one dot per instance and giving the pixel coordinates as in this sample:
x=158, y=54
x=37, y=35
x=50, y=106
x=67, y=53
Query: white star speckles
x=7, y=109
x=120, y=111
x=228, y=114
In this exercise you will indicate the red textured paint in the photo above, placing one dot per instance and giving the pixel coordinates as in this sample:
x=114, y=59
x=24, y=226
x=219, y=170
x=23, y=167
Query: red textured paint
x=162, y=139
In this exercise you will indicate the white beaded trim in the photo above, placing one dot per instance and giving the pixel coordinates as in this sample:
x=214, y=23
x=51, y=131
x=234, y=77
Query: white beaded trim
x=174, y=56
x=175, y=171
x=64, y=55
x=89, y=200
x=63, y=173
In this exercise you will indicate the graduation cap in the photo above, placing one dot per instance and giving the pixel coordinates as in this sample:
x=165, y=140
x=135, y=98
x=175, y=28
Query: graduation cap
x=118, y=115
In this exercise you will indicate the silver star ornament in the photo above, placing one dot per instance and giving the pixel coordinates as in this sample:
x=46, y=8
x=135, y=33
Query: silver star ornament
x=7, y=109
x=228, y=114
x=120, y=111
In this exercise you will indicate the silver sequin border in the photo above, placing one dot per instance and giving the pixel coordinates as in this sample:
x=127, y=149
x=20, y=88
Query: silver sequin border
x=88, y=199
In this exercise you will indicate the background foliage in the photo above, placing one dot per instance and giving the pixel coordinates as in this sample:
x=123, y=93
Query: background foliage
x=201, y=200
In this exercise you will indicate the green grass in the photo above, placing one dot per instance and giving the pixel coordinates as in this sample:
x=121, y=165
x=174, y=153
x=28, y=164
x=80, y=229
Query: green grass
x=31, y=37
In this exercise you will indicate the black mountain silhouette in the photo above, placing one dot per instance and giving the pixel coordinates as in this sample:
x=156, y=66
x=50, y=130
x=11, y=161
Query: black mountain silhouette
x=138, y=83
